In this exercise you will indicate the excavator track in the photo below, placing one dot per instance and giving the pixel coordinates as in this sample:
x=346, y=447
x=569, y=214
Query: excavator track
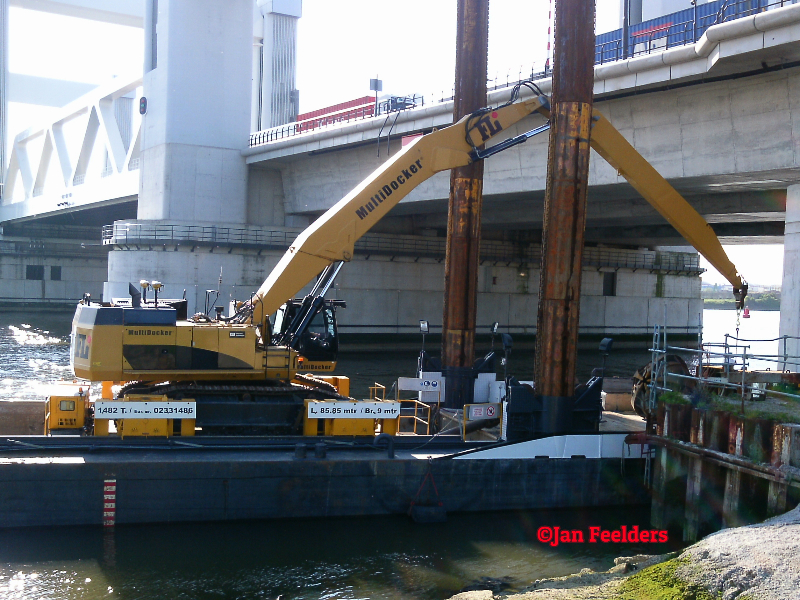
x=249, y=408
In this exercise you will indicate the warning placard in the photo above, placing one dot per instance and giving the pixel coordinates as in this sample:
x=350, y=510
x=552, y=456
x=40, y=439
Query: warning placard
x=483, y=411
x=335, y=409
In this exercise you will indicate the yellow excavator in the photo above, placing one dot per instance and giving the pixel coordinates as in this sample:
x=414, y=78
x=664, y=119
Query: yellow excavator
x=244, y=372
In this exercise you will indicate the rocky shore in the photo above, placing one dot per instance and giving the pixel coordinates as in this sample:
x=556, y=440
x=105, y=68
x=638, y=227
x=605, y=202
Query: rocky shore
x=755, y=562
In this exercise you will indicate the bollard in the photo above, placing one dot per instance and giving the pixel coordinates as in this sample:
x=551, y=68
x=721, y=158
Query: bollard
x=320, y=450
x=385, y=437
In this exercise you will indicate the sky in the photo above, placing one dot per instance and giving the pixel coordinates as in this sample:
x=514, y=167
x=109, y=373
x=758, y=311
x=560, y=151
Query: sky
x=758, y=264
x=411, y=47
x=341, y=45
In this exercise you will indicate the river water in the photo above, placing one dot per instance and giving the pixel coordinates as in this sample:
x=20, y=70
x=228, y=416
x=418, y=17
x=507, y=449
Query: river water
x=379, y=557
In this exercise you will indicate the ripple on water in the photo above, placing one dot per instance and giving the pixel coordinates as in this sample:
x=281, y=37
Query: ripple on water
x=27, y=336
x=35, y=353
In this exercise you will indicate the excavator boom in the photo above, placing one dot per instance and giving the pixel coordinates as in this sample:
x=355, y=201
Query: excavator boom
x=332, y=237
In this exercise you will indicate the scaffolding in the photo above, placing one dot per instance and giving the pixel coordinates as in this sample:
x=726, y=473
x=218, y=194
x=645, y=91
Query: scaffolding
x=725, y=367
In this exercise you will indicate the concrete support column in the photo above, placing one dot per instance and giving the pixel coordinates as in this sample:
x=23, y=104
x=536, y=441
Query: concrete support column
x=150, y=35
x=198, y=112
x=279, y=97
x=790, y=288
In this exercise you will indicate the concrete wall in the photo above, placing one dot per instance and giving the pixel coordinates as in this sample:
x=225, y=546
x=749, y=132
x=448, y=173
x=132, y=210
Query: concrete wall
x=265, y=200
x=387, y=295
x=78, y=276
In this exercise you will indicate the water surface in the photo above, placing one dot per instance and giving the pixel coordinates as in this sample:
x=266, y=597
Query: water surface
x=376, y=557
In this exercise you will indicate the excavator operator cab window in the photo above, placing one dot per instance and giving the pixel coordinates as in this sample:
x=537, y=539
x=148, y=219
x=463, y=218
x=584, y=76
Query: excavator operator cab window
x=317, y=324
x=319, y=342
x=280, y=320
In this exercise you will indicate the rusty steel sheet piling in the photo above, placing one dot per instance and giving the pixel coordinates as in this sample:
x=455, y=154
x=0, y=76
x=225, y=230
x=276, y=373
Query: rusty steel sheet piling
x=464, y=211
x=565, y=211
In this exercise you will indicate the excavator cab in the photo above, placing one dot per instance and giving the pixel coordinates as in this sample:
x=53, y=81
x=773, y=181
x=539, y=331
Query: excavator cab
x=310, y=330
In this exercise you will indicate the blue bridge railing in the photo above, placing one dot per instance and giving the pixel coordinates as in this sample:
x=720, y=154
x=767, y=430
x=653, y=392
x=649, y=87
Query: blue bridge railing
x=676, y=29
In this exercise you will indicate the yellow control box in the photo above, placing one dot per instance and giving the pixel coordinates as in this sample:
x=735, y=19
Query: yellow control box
x=64, y=412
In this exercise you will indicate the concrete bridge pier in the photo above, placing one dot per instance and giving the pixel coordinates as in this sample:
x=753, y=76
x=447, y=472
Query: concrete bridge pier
x=198, y=89
x=790, y=287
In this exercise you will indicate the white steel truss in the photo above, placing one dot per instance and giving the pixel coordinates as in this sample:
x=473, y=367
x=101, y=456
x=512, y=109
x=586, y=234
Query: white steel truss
x=88, y=154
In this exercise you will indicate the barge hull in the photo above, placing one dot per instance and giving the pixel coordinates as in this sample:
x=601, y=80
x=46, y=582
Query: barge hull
x=214, y=485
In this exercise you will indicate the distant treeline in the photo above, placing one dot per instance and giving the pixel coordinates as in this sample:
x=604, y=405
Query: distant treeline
x=756, y=301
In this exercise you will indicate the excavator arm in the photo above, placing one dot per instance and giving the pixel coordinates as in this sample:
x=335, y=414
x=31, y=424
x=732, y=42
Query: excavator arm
x=332, y=236
x=612, y=146
x=620, y=154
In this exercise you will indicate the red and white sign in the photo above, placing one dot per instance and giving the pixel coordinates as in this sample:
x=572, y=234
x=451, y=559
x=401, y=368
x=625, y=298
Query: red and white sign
x=482, y=411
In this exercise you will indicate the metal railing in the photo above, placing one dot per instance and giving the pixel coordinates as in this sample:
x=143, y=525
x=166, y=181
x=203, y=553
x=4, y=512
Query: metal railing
x=390, y=105
x=641, y=331
x=48, y=231
x=725, y=366
x=676, y=29
x=413, y=414
x=40, y=248
x=678, y=262
x=527, y=255
x=128, y=234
